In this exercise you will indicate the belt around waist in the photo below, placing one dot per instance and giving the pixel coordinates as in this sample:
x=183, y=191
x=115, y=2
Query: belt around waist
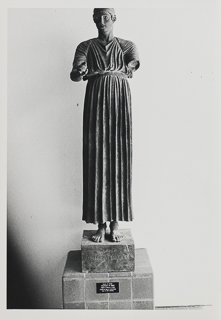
x=105, y=73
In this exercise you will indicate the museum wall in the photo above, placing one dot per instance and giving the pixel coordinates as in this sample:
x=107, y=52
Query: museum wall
x=175, y=149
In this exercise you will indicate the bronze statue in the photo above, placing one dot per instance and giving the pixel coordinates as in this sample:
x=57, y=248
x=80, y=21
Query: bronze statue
x=106, y=62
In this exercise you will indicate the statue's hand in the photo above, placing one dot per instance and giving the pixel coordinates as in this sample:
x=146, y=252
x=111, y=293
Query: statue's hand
x=132, y=65
x=78, y=72
x=83, y=73
x=82, y=69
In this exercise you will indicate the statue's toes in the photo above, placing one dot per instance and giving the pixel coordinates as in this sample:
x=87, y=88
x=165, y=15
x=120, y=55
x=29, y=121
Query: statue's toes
x=119, y=238
x=95, y=239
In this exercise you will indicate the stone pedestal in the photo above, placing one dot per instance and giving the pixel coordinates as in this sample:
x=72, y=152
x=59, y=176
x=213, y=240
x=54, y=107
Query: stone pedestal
x=107, y=256
x=108, y=290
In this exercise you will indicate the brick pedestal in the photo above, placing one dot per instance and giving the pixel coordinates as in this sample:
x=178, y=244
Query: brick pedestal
x=90, y=290
x=107, y=256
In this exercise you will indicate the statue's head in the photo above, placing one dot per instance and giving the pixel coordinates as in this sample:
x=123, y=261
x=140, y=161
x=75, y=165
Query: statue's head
x=104, y=18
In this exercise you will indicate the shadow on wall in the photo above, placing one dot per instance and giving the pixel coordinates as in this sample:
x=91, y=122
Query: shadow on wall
x=21, y=290
x=34, y=276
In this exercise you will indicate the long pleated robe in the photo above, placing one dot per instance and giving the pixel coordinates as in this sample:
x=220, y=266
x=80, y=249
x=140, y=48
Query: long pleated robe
x=107, y=132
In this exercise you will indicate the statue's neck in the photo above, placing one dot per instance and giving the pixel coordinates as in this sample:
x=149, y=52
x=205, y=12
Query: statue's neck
x=105, y=37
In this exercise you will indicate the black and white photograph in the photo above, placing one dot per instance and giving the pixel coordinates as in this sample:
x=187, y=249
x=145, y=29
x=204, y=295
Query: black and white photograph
x=111, y=138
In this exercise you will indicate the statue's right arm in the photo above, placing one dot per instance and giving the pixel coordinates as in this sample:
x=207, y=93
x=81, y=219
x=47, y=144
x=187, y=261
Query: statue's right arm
x=80, y=62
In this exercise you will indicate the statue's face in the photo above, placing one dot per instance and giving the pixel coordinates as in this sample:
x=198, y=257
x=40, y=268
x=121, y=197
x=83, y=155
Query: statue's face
x=103, y=21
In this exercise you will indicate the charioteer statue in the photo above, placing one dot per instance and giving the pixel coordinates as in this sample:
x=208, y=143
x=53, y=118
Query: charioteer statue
x=106, y=62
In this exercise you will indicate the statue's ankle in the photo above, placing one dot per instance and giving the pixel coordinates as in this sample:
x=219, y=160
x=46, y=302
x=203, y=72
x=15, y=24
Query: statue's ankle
x=102, y=225
x=114, y=225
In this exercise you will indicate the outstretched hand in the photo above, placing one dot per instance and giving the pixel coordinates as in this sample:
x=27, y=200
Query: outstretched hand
x=78, y=72
x=133, y=65
x=82, y=69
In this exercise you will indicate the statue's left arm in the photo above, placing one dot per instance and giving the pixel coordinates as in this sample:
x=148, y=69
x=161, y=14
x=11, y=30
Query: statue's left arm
x=131, y=56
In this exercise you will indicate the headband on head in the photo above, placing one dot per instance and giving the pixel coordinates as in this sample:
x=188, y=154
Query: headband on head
x=109, y=10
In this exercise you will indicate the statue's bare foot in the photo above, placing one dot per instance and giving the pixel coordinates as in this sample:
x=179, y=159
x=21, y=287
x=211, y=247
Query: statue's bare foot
x=100, y=234
x=115, y=234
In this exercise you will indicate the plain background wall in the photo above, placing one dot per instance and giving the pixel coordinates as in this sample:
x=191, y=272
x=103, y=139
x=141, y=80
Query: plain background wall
x=175, y=149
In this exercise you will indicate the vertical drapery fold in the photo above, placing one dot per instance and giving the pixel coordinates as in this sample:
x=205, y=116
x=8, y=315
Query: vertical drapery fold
x=107, y=131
